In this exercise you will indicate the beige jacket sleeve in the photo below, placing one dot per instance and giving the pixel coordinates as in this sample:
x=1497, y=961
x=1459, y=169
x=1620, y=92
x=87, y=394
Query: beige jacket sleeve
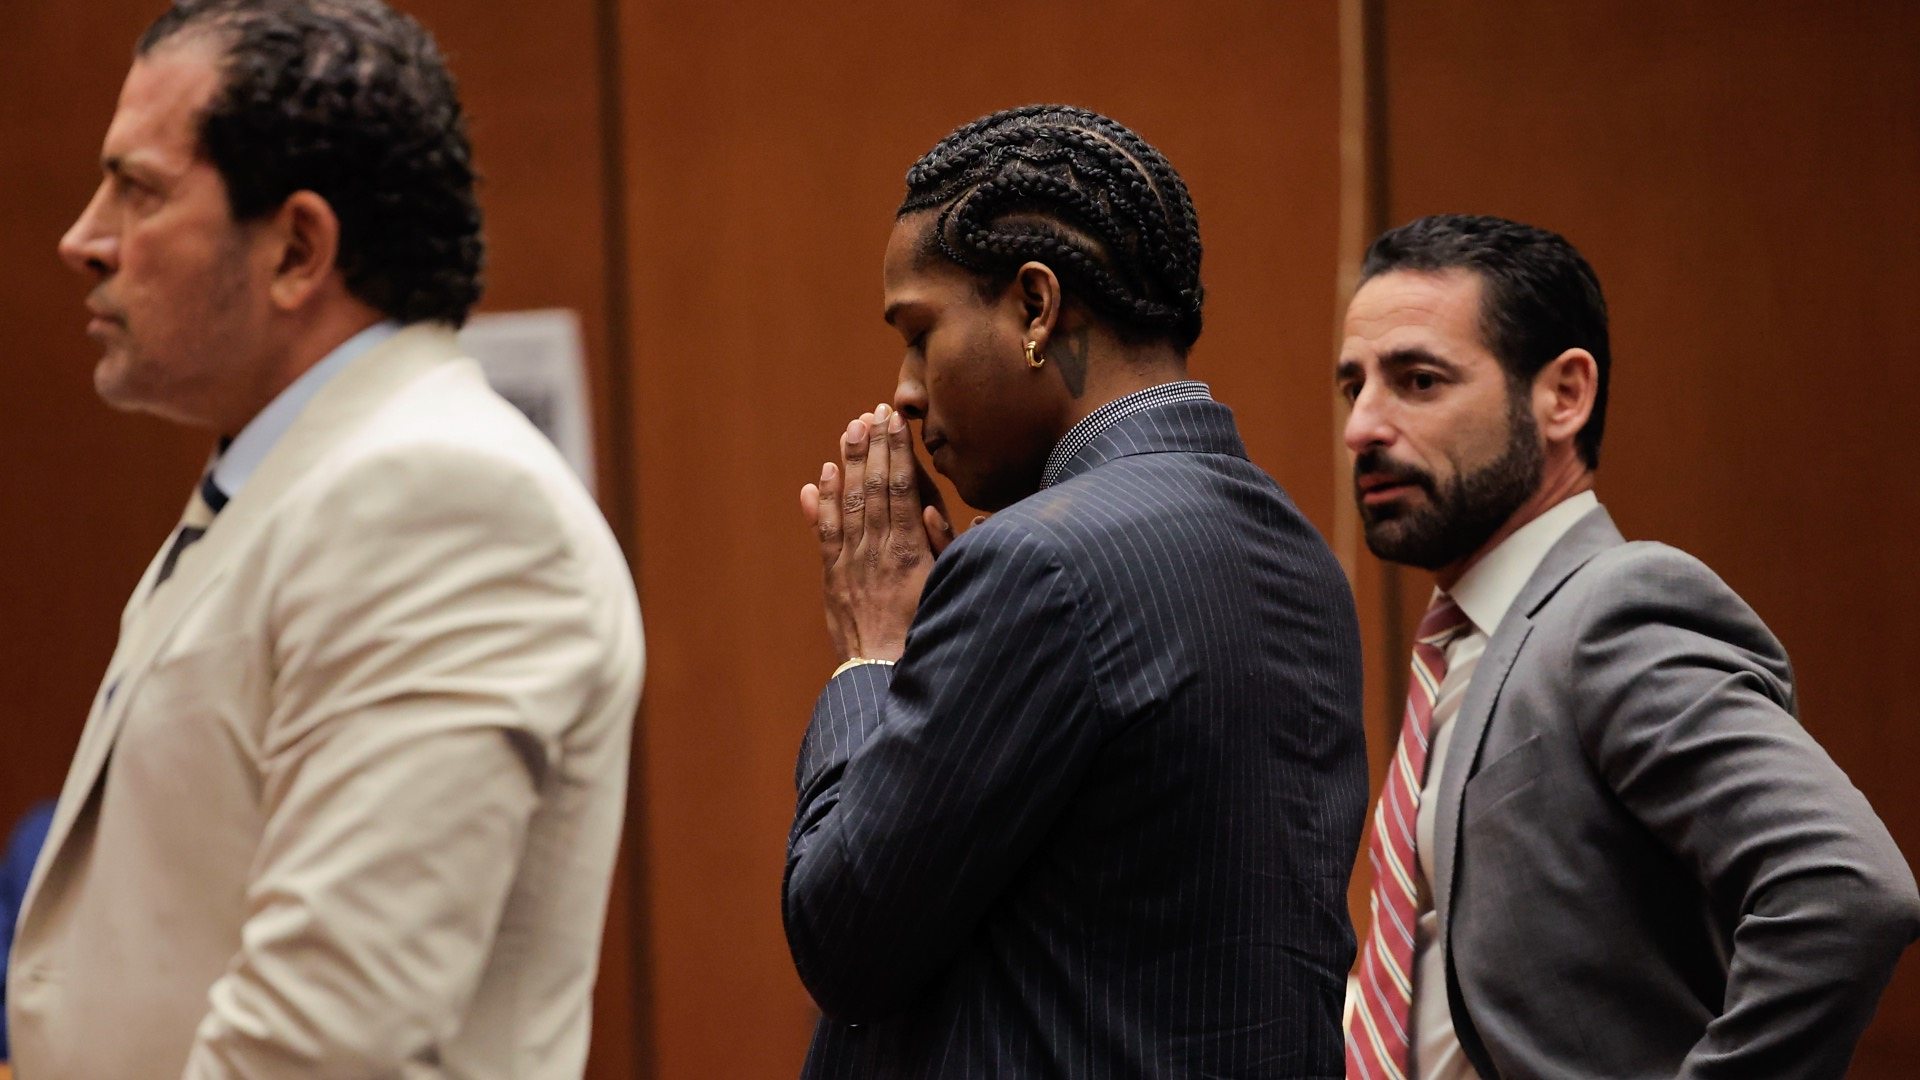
x=433, y=638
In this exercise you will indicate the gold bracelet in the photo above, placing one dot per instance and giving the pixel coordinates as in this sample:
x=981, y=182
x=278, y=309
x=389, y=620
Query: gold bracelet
x=855, y=662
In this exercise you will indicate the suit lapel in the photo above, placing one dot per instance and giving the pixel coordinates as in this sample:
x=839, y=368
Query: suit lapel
x=1463, y=754
x=1592, y=534
x=329, y=419
x=103, y=718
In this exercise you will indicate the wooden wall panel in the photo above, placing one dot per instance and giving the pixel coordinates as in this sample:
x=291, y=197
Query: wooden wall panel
x=1743, y=178
x=94, y=492
x=765, y=154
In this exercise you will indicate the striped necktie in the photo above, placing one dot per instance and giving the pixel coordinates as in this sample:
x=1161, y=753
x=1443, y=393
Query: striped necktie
x=1379, y=1036
x=208, y=500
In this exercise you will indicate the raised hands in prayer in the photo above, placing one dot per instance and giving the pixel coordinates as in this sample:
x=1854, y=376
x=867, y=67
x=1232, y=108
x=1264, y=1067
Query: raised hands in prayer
x=880, y=524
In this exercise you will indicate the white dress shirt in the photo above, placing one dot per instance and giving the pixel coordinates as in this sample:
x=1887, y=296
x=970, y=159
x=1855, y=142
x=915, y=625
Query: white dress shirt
x=1484, y=593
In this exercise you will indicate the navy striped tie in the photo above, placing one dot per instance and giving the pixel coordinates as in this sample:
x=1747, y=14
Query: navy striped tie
x=208, y=500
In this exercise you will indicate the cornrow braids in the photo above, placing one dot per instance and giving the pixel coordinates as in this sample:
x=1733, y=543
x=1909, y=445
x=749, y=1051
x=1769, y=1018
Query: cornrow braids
x=1079, y=192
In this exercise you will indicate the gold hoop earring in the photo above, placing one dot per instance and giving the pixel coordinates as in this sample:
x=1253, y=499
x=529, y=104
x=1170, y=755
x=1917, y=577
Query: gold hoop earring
x=1032, y=360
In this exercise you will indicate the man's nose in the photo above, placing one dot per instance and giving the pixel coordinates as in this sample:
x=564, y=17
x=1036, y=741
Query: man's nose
x=910, y=395
x=88, y=246
x=1368, y=423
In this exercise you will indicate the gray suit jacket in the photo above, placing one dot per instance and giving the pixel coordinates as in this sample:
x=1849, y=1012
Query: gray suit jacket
x=1645, y=866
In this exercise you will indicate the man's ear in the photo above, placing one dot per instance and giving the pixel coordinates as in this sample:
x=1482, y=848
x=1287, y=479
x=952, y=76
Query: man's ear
x=305, y=238
x=1563, y=394
x=1038, y=292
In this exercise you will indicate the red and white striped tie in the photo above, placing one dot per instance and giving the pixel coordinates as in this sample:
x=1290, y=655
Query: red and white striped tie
x=1378, y=1030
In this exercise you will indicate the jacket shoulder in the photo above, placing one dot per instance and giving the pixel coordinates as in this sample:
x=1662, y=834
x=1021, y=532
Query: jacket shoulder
x=1643, y=605
x=1647, y=580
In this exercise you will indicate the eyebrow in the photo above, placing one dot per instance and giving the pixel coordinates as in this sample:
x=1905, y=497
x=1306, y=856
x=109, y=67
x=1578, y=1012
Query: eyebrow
x=1404, y=358
x=894, y=309
x=1400, y=358
x=138, y=169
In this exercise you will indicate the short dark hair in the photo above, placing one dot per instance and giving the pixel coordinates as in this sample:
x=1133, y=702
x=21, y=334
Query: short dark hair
x=352, y=101
x=1541, y=297
x=1080, y=192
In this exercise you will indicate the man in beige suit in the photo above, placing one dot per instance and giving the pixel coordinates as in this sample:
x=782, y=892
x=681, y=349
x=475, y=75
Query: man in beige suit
x=348, y=800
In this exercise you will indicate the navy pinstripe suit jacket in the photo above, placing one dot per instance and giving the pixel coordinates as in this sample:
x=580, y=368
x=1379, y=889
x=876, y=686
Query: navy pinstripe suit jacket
x=1099, y=820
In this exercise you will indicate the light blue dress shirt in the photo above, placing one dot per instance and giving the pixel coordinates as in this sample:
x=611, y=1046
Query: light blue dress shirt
x=234, y=465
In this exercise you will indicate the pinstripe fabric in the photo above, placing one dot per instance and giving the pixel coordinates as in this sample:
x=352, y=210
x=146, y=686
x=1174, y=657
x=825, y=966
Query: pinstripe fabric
x=1379, y=1036
x=1092, y=425
x=1098, y=822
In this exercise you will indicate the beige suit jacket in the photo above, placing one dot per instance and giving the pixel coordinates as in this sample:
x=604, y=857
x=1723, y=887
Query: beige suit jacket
x=348, y=800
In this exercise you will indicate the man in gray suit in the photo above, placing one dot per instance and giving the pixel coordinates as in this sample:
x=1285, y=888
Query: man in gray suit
x=1606, y=848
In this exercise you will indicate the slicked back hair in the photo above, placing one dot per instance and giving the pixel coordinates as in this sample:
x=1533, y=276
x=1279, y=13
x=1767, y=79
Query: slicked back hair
x=1079, y=192
x=351, y=100
x=1540, y=297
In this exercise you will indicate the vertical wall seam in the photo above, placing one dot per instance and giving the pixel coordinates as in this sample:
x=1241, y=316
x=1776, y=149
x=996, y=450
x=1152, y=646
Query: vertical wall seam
x=1394, y=638
x=622, y=500
x=1364, y=209
x=1355, y=216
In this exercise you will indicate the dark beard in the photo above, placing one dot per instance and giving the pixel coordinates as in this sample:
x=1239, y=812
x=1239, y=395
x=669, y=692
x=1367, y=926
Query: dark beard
x=1455, y=520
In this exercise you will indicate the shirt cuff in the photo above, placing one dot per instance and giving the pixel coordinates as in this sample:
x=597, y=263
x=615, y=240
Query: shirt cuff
x=854, y=663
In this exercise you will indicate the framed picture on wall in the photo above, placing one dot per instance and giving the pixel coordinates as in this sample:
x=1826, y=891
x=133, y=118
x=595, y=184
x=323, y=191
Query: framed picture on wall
x=535, y=360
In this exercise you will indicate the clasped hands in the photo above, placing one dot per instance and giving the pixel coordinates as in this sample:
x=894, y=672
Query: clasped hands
x=881, y=524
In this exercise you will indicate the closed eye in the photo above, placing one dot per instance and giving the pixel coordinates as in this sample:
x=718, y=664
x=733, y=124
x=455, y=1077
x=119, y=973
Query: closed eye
x=130, y=190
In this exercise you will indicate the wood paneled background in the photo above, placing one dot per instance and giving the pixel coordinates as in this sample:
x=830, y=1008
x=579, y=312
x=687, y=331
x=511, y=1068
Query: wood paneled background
x=711, y=185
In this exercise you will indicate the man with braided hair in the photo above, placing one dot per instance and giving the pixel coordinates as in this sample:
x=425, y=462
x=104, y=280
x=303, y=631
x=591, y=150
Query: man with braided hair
x=1083, y=798
x=348, y=800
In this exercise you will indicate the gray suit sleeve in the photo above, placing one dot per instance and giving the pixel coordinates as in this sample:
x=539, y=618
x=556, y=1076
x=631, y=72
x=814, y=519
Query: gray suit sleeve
x=1688, y=715
x=920, y=795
